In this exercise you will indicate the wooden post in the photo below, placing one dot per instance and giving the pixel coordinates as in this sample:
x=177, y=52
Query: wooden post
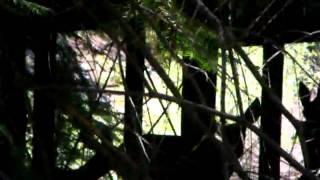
x=134, y=83
x=44, y=149
x=269, y=159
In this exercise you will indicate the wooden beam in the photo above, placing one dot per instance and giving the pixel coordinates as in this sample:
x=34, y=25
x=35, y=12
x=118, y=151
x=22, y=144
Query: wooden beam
x=134, y=82
x=44, y=150
x=269, y=161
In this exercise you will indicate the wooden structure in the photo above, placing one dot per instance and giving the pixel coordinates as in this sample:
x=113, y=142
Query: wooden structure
x=270, y=24
x=260, y=22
